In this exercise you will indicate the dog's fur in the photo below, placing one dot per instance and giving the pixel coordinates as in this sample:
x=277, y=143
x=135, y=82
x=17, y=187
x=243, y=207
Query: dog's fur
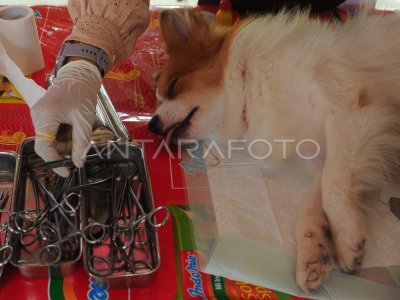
x=291, y=77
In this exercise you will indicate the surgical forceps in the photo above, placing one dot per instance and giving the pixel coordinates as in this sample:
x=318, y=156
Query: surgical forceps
x=5, y=249
x=148, y=217
x=67, y=161
x=5, y=254
x=69, y=243
x=4, y=195
x=121, y=258
x=38, y=228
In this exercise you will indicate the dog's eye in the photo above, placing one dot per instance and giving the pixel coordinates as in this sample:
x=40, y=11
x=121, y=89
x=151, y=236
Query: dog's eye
x=171, y=88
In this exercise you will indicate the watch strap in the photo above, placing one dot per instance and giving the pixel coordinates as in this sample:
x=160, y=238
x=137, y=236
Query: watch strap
x=71, y=49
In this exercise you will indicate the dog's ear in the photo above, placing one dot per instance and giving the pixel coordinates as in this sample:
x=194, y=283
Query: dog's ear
x=186, y=30
x=175, y=29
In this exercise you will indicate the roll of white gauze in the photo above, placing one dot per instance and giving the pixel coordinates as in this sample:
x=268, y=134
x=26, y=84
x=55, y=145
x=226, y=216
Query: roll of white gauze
x=30, y=91
x=18, y=34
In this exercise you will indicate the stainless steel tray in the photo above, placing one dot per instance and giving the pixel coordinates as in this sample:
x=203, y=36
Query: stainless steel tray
x=8, y=162
x=40, y=227
x=114, y=222
x=129, y=255
x=96, y=225
x=29, y=265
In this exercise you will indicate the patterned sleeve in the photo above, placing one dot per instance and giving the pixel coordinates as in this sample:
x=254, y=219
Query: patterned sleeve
x=112, y=25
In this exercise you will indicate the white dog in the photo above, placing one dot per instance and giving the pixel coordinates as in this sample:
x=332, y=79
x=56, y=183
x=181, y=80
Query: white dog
x=292, y=77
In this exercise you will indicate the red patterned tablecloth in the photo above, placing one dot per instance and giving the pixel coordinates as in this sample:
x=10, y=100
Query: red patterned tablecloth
x=131, y=88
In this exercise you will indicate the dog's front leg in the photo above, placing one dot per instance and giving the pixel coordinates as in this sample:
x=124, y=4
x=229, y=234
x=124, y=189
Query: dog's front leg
x=340, y=200
x=315, y=251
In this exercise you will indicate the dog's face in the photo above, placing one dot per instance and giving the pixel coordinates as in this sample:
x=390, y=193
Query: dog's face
x=189, y=83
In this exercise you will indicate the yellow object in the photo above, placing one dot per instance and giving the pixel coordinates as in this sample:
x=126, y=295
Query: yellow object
x=8, y=93
x=12, y=139
x=131, y=75
x=224, y=14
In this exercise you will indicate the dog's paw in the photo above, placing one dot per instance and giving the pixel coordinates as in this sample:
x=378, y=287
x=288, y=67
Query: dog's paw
x=350, y=247
x=315, y=259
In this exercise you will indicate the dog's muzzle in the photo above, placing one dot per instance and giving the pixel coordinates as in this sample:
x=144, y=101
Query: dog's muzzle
x=173, y=131
x=155, y=125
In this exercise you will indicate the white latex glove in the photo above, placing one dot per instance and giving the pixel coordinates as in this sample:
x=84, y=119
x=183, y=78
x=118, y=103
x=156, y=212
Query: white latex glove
x=70, y=100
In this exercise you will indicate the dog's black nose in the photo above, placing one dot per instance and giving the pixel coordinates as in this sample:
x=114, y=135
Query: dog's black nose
x=155, y=125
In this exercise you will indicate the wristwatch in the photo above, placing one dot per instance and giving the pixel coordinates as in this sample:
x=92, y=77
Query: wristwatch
x=70, y=49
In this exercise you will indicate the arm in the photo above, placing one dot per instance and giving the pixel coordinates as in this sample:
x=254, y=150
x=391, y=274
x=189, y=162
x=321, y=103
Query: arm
x=110, y=25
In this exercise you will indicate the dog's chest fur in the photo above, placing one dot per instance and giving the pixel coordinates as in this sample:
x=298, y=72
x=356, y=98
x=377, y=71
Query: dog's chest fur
x=286, y=76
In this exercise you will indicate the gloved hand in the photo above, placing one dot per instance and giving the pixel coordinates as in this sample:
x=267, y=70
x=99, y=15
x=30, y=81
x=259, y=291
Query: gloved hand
x=70, y=100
